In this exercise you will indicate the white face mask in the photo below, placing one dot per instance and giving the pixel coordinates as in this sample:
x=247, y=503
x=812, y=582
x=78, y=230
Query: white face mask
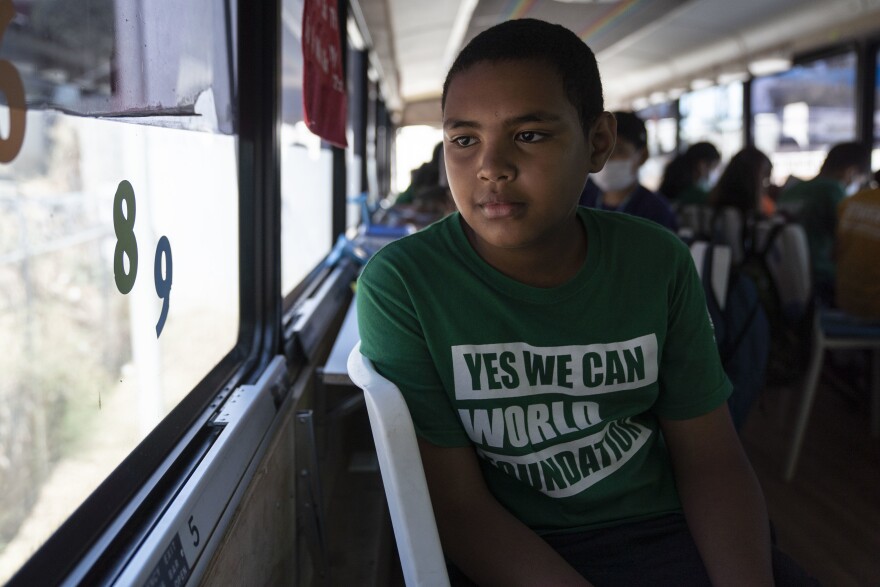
x=853, y=187
x=707, y=183
x=617, y=175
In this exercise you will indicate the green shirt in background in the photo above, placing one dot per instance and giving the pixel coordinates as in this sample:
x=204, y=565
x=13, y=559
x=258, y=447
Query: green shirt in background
x=692, y=195
x=558, y=389
x=813, y=204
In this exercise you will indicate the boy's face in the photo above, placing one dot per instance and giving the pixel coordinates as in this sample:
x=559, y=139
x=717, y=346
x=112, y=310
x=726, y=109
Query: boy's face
x=516, y=155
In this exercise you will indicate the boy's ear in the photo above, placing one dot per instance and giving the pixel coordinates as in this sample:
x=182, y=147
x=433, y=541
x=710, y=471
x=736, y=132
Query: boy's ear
x=643, y=155
x=602, y=138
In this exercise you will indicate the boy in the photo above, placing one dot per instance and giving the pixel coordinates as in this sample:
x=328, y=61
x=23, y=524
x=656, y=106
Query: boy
x=543, y=348
x=616, y=187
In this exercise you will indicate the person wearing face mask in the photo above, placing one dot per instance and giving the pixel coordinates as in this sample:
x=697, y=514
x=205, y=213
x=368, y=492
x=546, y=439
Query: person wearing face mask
x=617, y=186
x=689, y=177
x=814, y=205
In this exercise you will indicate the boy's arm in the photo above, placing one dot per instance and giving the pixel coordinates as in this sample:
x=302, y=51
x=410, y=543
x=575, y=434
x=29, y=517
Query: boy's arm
x=722, y=500
x=483, y=539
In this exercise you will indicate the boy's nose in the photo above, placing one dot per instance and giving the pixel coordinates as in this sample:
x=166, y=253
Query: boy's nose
x=496, y=164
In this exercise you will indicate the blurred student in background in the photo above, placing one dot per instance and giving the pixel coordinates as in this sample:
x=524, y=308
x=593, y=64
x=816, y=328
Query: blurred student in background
x=426, y=200
x=814, y=203
x=428, y=175
x=617, y=186
x=688, y=178
x=744, y=183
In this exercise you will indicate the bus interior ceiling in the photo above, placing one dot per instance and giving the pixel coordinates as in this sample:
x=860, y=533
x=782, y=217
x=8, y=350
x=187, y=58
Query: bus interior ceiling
x=642, y=47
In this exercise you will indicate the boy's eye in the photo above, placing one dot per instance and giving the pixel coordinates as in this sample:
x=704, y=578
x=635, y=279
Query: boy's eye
x=530, y=136
x=464, y=141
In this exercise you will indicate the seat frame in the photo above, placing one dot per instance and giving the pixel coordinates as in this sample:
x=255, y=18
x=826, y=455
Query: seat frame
x=822, y=341
x=409, y=503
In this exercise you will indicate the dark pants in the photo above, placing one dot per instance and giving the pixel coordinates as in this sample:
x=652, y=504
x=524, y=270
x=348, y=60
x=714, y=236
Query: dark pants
x=654, y=553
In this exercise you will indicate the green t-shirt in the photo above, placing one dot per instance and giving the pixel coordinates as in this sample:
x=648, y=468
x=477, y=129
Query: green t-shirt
x=814, y=204
x=558, y=389
x=692, y=195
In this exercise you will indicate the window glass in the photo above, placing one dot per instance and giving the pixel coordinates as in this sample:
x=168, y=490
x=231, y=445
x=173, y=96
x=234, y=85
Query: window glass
x=414, y=146
x=800, y=114
x=118, y=239
x=306, y=166
x=875, y=153
x=662, y=127
x=356, y=134
x=715, y=115
x=384, y=138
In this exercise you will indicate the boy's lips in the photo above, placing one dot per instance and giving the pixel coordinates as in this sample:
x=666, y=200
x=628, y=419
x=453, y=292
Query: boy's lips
x=501, y=208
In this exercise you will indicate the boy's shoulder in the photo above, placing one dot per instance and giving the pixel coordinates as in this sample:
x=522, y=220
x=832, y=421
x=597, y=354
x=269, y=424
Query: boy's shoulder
x=428, y=236
x=416, y=248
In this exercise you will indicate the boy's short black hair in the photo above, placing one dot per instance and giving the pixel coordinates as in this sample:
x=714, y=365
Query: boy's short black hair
x=632, y=129
x=554, y=44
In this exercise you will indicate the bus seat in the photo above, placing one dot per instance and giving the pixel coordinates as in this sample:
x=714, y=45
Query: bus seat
x=412, y=516
x=727, y=229
x=833, y=329
x=788, y=260
x=696, y=219
x=720, y=226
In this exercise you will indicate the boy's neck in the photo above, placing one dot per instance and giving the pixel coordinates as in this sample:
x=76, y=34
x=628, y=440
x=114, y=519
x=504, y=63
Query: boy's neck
x=550, y=263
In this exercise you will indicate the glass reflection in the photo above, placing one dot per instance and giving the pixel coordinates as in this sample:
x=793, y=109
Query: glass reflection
x=800, y=114
x=306, y=166
x=715, y=115
x=113, y=91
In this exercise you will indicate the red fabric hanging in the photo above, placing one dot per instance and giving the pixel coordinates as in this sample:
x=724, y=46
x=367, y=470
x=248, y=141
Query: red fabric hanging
x=324, y=98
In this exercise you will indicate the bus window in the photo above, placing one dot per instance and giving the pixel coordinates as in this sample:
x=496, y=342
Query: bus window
x=356, y=131
x=713, y=114
x=660, y=121
x=306, y=166
x=875, y=153
x=118, y=239
x=415, y=146
x=800, y=114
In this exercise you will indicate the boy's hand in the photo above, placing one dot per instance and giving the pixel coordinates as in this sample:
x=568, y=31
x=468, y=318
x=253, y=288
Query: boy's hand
x=482, y=538
x=722, y=500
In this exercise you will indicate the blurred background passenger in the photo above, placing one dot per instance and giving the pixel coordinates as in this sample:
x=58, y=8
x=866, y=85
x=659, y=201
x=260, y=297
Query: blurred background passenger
x=429, y=175
x=688, y=178
x=744, y=183
x=814, y=203
x=736, y=200
x=617, y=186
x=426, y=200
x=858, y=251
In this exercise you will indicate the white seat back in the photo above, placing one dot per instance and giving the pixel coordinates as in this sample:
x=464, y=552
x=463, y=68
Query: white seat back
x=727, y=229
x=400, y=462
x=697, y=218
x=721, y=264
x=788, y=260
